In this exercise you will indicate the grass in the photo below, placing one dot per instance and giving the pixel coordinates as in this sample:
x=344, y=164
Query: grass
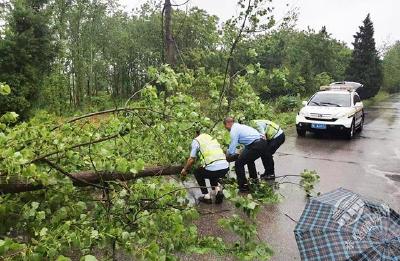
x=381, y=96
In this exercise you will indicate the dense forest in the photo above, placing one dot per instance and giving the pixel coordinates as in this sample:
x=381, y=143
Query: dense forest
x=140, y=81
x=90, y=54
x=69, y=55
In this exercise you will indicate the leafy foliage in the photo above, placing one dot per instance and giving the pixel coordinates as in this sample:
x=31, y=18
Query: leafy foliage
x=391, y=67
x=105, y=56
x=149, y=218
x=26, y=52
x=308, y=180
x=287, y=103
x=249, y=248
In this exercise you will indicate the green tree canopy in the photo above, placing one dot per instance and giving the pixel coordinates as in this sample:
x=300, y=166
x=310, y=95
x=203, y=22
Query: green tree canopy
x=391, y=69
x=26, y=53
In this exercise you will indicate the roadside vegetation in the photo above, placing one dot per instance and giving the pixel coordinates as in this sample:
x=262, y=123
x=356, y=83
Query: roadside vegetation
x=391, y=67
x=75, y=185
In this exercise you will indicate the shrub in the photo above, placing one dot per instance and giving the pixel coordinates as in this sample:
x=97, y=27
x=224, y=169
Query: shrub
x=287, y=103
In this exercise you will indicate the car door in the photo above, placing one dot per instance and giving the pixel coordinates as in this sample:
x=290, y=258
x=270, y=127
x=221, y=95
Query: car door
x=359, y=110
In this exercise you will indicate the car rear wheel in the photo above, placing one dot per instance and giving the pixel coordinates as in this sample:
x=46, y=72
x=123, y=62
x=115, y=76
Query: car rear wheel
x=350, y=132
x=361, y=127
x=301, y=132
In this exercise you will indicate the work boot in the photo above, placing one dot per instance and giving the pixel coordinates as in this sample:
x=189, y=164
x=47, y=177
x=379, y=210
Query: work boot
x=268, y=176
x=244, y=189
x=202, y=199
x=253, y=181
x=219, y=197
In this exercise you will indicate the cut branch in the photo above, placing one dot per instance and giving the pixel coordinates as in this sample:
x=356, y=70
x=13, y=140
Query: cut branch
x=41, y=157
x=88, y=178
x=72, y=177
x=107, y=112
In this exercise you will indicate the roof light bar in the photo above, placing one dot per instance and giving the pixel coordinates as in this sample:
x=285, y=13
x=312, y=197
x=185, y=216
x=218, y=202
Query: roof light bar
x=342, y=86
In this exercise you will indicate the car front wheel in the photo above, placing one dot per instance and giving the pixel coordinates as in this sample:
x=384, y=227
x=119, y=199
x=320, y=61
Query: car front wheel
x=301, y=132
x=350, y=132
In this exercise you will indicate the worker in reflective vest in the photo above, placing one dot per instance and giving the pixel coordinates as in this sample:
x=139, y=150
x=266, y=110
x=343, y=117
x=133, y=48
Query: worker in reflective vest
x=213, y=166
x=274, y=138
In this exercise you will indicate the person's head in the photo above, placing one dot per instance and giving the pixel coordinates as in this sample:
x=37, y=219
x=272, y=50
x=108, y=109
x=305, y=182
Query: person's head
x=228, y=122
x=197, y=133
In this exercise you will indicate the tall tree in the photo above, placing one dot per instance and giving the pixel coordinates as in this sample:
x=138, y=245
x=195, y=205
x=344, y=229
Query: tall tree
x=170, y=51
x=26, y=53
x=365, y=66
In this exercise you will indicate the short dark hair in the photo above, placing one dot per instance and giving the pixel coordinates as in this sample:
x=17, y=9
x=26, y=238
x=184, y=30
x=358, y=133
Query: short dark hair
x=229, y=119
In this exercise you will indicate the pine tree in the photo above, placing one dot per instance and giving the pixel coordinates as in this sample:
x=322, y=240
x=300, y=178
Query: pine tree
x=365, y=65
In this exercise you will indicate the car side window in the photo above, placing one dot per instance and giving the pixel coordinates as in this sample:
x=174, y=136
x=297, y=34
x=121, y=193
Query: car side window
x=356, y=99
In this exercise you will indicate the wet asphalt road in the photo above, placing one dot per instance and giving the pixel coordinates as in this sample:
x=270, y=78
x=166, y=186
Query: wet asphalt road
x=369, y=165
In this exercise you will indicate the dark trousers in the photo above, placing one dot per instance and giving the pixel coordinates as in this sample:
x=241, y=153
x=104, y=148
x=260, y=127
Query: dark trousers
x=201, y=174
x=268, y=155
x=261, y=148
x=249, y=154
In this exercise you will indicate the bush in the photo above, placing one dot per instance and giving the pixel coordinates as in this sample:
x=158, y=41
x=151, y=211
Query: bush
x=391, y=68
x=287, y=103
x=322, y=79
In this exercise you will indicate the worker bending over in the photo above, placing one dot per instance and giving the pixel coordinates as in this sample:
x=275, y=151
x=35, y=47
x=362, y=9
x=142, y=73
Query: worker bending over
x=213, y=166
x=274, y=138
x=254, y=148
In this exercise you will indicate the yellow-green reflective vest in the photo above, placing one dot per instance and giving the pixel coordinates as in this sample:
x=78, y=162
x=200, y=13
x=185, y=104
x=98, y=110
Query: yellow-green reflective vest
x=270, y=129
x=210, y=150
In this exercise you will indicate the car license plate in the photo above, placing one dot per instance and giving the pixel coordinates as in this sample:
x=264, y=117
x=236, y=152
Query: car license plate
x=318, y=126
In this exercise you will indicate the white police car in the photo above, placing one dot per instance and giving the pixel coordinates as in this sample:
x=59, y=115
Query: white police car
x=336, y=107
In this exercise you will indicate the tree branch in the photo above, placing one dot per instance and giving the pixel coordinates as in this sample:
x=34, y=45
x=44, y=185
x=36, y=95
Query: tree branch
x=87, y=178
x=41, y=157
x=65, y=173
x=230, y=58
x=106, y=112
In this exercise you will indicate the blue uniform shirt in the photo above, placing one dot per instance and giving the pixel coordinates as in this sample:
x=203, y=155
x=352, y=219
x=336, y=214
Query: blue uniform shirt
x=242, y=134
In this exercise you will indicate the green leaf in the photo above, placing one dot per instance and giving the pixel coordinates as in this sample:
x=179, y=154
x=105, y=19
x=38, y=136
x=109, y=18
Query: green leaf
x=63, y=258
x=43, y=232
x=35, y=205
x=122, y=164
x=125, y=235
x=252, y=53
x=40, y=215
x=88, y=258
x=252, y=205
x=250, y=69
x=9, y=117
x=5, y=89
x=94, y=234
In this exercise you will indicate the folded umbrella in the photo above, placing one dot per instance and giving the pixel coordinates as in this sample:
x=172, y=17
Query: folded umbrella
x=342, y=225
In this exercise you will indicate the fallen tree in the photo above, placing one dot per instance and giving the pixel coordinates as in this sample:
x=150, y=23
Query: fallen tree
x=86, y=178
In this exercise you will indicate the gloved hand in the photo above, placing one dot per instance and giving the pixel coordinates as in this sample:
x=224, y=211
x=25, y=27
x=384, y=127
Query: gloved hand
x=231, y=158
x=183, y=174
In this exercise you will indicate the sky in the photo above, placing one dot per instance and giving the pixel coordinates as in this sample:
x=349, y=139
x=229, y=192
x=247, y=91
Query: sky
x=341, y=17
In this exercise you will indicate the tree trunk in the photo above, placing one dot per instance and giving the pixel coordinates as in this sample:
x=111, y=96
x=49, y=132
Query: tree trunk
x=92, y=177
x=170, y=51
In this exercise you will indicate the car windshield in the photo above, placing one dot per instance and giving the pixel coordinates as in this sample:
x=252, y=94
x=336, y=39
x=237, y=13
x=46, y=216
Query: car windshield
x=330, y=99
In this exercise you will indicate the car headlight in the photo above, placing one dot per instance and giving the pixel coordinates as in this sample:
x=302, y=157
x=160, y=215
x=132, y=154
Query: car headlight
x=302, y=113
x=341, y=115
x=344, y=115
